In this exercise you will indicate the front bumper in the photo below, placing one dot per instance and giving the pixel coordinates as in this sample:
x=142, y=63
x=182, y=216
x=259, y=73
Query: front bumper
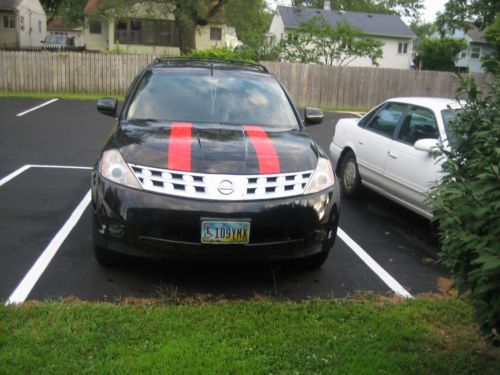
x=146, y=224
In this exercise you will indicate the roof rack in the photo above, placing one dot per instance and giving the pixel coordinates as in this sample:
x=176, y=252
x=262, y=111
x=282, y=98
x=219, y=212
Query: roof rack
x=173, y=60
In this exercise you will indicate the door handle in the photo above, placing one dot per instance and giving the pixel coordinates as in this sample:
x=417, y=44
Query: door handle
x=392, y=154
x=361, y=143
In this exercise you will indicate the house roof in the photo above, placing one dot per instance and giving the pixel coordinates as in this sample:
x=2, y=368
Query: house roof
x=9, y=4
x=91, y=7
x=477, y=35
x=58, y=23
x=370, y=23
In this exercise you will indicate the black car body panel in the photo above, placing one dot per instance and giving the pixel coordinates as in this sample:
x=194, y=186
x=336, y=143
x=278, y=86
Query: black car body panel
x=156, y=225
x=215, y=148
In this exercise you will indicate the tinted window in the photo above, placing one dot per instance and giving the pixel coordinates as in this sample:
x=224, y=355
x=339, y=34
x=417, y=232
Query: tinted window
x=387, y=119
x=366, y=119
x=449, y=116
x=225, y=97
x=419, y=123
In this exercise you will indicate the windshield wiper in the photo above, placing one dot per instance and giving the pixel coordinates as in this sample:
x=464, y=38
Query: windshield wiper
x=144, y=119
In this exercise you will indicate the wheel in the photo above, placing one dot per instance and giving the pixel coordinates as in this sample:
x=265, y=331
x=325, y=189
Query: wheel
x=105, y=257
x=349, y=175
x=314, y=261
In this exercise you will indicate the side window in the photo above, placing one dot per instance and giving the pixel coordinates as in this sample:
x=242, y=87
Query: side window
x=419, y=123
x=387, y=119
x=367, y=118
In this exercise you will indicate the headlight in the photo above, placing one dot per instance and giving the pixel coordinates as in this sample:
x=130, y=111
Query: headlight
x=114, y=168
x=322, y=177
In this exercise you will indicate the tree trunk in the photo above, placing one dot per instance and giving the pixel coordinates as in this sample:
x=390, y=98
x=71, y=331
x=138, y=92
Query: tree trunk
x=187, y=33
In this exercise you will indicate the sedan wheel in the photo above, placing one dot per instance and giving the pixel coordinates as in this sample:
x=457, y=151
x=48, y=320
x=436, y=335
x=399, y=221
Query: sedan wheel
x=349, y=174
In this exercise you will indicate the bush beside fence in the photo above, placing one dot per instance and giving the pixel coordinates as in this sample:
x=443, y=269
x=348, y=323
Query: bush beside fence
x=317, y=85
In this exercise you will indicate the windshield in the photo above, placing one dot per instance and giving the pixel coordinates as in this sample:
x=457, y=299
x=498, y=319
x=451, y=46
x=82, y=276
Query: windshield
x=55, y=39
x=448, y=117
x=225, y=98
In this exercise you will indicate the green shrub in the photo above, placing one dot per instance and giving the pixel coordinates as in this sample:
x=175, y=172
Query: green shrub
x=467, y=204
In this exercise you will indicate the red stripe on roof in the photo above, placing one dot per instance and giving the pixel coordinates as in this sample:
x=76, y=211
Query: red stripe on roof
x=266, y=152
x=179, y=146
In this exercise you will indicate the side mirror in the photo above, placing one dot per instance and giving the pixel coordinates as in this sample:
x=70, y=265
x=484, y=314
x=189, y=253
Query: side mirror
x=426, y=144
x=107, y=106
x=313, y=116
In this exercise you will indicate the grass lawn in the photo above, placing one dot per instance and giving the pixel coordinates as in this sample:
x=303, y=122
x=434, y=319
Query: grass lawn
x=367, y=336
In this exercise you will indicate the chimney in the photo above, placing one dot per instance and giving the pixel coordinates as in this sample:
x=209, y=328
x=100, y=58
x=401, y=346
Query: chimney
x=327, y=5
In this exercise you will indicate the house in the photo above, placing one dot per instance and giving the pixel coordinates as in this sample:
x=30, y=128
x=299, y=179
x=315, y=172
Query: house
x=389, y=28
x=22, y=23
x=147, y=27
x=57, y=26
x=477, y=47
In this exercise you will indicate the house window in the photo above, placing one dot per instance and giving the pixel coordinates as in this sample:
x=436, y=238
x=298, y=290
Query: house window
x=463, y=54
x=22, y=22
x=9, y=22
x=39, y=26
x=215, y=33
x=95, y=27
x=402, y=48
x=475, y=52
x=147, y=32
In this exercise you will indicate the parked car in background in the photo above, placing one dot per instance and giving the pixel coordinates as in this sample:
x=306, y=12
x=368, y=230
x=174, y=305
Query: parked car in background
x=211, y=159
x=389, y=149
x=59, y=41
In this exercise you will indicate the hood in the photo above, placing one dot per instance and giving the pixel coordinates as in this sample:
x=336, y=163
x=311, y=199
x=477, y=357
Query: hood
x=216, y=149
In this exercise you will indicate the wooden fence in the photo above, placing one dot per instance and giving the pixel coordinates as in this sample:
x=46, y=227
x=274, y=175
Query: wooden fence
x=315, y=85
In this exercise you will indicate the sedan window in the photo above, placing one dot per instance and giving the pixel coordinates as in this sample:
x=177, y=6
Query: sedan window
x=387, y=119
x=419, y=123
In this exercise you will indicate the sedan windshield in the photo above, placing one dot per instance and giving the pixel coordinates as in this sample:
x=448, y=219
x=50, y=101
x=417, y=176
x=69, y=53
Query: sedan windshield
x=232, y=98
x=448, y=117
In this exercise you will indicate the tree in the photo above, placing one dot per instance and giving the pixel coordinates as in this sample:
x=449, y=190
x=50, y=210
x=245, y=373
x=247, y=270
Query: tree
x=439, y=54
x=466, y=203
x=316, y=41
x=463, y=14
x=421, y=29
x=188, y=14
x=407, y=8
x=69, y=10
x=251, y=19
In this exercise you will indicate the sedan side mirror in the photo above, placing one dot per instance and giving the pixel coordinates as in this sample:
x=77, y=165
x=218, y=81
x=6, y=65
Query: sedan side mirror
x=313, y=116
x=107, y=106
x=426, y=144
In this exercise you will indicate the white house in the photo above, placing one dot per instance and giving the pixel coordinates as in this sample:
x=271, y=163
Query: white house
x=390, y=29
x=22, y=23
x=57, y=26
x=477, y=47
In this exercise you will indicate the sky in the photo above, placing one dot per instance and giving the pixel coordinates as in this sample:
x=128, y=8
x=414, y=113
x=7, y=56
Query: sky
x=432, y=7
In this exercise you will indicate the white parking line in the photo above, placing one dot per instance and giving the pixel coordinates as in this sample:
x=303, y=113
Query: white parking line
x=374, y=266
x=14, y=174
x=59, y=166
x=24, y=168
x=37, y=107
x=28, y=282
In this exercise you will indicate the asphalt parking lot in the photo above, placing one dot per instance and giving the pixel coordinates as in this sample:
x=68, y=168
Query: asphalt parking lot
x=45, y=242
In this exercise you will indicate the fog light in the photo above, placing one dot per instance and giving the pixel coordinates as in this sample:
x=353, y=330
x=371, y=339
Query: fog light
x=116, y=229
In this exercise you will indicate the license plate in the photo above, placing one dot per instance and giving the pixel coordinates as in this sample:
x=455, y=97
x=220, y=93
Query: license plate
x=225, y=232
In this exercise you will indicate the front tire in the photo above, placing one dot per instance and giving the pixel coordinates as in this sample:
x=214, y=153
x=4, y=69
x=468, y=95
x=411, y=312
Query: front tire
x=349, y=175
x=105, y=257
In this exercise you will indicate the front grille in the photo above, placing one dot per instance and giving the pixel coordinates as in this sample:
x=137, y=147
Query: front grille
x=220, y=186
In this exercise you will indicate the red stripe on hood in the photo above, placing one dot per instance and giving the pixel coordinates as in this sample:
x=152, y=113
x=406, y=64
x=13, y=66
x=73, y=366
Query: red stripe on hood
x=179, y=146
x=266, y=153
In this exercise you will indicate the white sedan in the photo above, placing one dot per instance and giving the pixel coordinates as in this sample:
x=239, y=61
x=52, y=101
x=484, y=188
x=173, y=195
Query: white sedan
x=389, y=149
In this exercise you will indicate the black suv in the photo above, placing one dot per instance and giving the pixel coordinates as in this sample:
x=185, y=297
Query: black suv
x=211, y=159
